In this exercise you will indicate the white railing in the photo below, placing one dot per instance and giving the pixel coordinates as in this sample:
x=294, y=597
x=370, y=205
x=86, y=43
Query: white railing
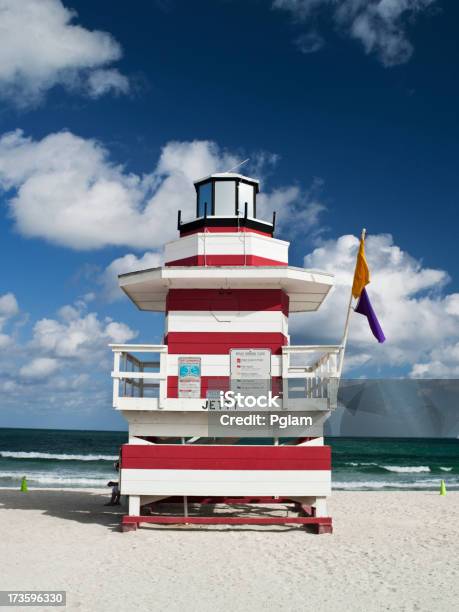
x=315, y=375
x=309, y=373
x=136, y=379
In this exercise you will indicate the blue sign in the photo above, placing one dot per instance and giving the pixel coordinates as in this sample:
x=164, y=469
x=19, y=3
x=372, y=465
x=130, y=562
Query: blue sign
x=189, y=380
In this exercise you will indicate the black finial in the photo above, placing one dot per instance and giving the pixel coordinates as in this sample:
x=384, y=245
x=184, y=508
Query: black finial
x=274, y=220
x=179, y=219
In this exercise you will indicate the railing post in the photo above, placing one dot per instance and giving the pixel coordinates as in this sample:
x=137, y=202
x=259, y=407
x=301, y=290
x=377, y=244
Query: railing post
x=141, y=380
x=285, y=363
x=163, y=379
x=285, y=378
x=116, y=381
x=125, y=359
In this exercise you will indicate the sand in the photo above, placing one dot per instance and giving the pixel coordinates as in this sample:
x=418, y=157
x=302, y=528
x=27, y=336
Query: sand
x=390, y=551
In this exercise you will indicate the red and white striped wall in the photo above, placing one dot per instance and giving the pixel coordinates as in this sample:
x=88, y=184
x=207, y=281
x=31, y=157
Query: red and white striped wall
x=226, y=249
x=208, y=323
x=168, y=469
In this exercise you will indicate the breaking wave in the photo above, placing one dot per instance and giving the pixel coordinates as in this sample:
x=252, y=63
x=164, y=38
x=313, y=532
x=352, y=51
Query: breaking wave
x=372, y=485
x=406, y=469
x=50, y=479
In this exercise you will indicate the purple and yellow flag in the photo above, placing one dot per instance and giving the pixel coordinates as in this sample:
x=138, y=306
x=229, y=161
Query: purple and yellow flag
x=361, y=279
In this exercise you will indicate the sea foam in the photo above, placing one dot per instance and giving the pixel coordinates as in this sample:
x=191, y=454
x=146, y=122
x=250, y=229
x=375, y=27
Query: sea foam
x=372, y=485
x=406, y=469
x=43, y=478
x=56, y=456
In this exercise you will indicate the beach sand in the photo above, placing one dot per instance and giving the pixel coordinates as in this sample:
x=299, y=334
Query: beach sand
x=389, y=551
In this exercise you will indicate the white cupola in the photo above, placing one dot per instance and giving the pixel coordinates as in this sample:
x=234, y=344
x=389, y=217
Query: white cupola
x=226, y=199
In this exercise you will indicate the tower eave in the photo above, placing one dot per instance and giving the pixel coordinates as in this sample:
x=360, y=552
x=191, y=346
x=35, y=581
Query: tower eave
x=148, y=289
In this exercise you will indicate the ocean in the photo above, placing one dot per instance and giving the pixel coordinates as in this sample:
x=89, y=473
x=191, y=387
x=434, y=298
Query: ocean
x=64, y=458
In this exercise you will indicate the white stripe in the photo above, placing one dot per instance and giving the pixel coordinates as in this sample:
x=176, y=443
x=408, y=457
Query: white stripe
x=213, y=243
x=269, y=321
x=226, y=482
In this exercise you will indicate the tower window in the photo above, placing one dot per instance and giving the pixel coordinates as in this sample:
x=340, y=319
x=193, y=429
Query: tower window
x=205, y=197
x=225, y=198
x=246, y=195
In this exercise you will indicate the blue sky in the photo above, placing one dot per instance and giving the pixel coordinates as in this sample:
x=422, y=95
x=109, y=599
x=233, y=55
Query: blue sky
x=348, y=113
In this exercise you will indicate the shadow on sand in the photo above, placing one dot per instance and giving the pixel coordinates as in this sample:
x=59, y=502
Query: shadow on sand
x=82, y=506
x=87, y=507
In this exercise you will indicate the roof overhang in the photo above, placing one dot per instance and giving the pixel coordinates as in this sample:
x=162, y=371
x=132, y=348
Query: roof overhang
x=148, y=289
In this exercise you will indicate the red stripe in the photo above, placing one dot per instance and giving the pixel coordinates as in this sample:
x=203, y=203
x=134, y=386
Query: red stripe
x=225, y=260
x=224, y=230
x=321, y=521
x=219, y=383
x=207, y=451
x=227, y=300
x=224, y=464
x=220, y=343
x=196, y=457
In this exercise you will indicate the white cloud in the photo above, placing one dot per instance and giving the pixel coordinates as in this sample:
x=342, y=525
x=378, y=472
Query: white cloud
x=41, y=46
x=121, y=265
x=5, y=340
x=297, y=210
x=452, y=304
x=380, y=25
x=101, y=82
x=66, y=190
x=63, y=365
x=8, y=307
x=419, y=320
x=441, y=362
x=78, y=335
x=40, y=367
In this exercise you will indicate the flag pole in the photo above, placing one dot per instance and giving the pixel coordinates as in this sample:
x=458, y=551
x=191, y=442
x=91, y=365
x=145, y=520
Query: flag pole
x=348, y=321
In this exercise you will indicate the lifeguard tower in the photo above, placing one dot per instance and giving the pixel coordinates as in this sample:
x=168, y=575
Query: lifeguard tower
x=227, y=291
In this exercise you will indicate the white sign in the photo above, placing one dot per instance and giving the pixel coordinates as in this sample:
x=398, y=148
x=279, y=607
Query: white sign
x=189, y=377
x=250, y=364
x=250, y=371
